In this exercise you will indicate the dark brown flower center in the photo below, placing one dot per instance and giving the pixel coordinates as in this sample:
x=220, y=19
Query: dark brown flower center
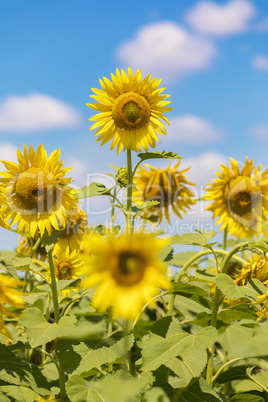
x=129, y=269
x=63, y=270
x=241, y=202
x=35, y=189
x=131, y=110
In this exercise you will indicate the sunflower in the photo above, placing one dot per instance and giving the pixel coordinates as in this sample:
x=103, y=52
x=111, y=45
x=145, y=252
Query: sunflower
x=127, y=271
x=11, y=296
x=36, y=194
x=130, y=111
x=9, y=293
x=25, y=247
x=239, y=198
x=76, y=226
x=67, y=264
x=263, y=313
x=257, y=267
x=168, y=187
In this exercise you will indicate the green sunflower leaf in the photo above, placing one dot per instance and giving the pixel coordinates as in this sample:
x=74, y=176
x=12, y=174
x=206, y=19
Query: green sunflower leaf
x=158, y=155
x=185, y=354
x=119, y=386
x=18, y=393
x=241, y=340
x=17, y=372
x=137, y=209
x=8, y=265
x=245, y=397
x=229, y=288
x=198, y=391
x=92, y=190
x=95, y=358
x=192, y=239
x=179, y=259
x=232, y=374
x=192, y=292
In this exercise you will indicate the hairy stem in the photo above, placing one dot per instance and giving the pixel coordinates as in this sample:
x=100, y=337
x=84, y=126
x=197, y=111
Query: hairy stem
x=129, y=191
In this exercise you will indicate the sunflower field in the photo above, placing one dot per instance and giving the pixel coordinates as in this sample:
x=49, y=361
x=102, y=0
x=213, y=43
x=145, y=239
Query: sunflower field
x=132, y=313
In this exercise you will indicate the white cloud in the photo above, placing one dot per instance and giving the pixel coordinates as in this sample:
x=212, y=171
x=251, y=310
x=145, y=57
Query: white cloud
x=36, y=112
x=259, y=132
x=260, y=63
x=167, y=50
x=8, y=152
x=192, y=129
x=204, y=166
x=221, y=20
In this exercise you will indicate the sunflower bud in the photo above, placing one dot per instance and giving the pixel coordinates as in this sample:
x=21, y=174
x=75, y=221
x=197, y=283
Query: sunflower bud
x=121, y=177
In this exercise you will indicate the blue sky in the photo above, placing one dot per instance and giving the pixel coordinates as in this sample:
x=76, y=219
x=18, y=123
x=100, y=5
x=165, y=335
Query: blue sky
x=212, y=57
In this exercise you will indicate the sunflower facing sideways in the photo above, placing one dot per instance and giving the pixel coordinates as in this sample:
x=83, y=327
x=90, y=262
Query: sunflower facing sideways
x=167, y=186
x=239, y=198
x=35, y=192
x=130, y=111
x=127, y=271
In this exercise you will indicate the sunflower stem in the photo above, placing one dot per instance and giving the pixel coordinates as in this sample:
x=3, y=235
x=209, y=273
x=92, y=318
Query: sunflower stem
x=113, y=209
x=215, y=308
x=54, y=292
x=129, y=192
x=191, y=261
x=33, y=250
x=224, y=245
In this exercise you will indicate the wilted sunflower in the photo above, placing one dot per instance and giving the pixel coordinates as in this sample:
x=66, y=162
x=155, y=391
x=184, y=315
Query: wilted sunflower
x=257, y=267
x=263, y=313
x=127, y=271
x=167, y=186
x=25, y=247
x=240, y=198
x=36, y=194
x=130, y=111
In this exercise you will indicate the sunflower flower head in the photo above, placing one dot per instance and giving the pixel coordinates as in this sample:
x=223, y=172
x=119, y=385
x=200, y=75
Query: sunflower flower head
x=169, y=187
x=127, y=271
x=25, y=246
x=67, y=264
x=35, y=192
x=239, y=198
x=76, y=226
x=257, y=267
x=263, y=313
x=130, y=110
x=9, y=294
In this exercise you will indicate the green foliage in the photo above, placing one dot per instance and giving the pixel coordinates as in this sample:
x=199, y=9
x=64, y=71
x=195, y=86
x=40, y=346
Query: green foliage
x=92, y=190
x=198, y=391
x=15, y=371
x=119, y=386
x=158, y=155
x=183, y=353
x=201, y=238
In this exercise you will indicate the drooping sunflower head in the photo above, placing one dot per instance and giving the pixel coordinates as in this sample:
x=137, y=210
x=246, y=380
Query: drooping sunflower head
x=257, y=267
x=130, y=111
x=169, y=187
x=35, y=192
x=127, y=271
x=239, y=198
x=25, y=246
